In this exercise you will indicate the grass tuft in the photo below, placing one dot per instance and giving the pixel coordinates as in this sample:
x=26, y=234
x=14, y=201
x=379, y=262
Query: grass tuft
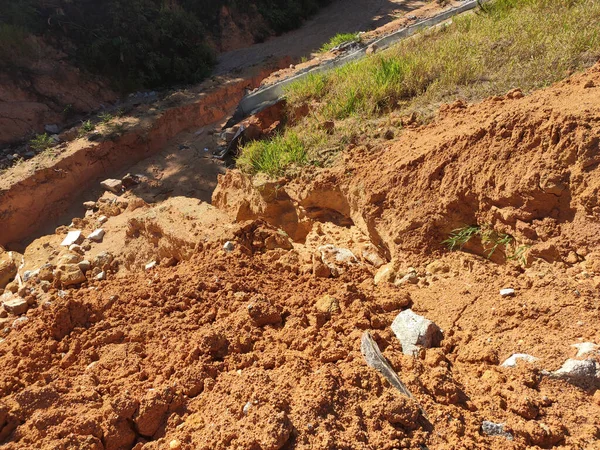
x=273, y=156
x=41, y=142
x=339, y=39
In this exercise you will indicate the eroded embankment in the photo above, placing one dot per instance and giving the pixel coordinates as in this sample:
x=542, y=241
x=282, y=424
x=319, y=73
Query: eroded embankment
x=526, y=166
x=34, y=195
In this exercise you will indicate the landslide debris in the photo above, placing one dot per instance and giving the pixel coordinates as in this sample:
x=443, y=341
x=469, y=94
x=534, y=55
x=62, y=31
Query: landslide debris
x=258, y=345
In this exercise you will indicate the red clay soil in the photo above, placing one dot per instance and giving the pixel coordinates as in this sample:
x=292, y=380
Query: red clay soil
x=244, y=350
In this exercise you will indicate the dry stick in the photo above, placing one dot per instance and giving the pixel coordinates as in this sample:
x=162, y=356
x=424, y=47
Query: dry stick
x=377, y=361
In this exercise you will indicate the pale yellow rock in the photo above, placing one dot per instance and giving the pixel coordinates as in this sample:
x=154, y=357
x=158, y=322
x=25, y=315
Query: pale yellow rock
x=385, y=274
x=9, y=262
x=438, y=267
x=70, y=274
x=328, y=304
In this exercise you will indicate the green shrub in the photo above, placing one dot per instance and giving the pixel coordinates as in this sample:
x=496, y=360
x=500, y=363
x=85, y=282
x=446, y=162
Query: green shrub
x=41, y=142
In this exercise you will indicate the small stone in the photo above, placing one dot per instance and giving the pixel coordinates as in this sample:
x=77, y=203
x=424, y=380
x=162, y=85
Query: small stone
x=512, y=360
x=246, y=408
x=409, y=278
x=89, y=205
x=130, y=181
x=150, y=265
x=16, y=306
x=437, y=266
x=102, y=219
x=73, y=237
x=70, y=258
x=369, y=253
x=577, y=370
x=112, y=185
x=101, y=276
x=389, y=135
x=508, y=292
x=75, y=248
x=8, y=267
x=319, y=269
x=372, y=49
x=175, y=445
x=46, y=272
x=103, y=260
x=45, y=285
x=84, y=265
x=584, y=348
x=589, y=84
x=495, y=429
x=52, y=128
x=413, y=330
x=20, y=322
x=96, y=235
x=328, y=304
x=229, y=246
x=29, y=274
x=338, y=259
x=70, y=274
x=385, y=274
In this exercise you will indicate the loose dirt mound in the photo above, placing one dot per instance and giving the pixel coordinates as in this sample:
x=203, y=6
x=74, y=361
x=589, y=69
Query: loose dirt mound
x=259, y=347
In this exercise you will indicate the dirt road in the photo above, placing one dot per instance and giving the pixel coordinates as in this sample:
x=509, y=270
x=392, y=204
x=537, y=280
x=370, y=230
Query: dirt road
x=341, y=16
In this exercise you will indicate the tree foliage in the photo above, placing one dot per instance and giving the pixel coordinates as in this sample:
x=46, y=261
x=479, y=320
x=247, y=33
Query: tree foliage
x=144, y=43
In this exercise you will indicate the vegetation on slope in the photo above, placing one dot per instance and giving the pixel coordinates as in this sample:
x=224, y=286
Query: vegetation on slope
x=142, y=43
x=512, y=43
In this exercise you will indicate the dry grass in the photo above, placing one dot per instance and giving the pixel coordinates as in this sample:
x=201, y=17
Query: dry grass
x=513, y=43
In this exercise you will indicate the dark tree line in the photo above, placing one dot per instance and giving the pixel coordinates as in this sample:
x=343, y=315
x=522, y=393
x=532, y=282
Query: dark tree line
x=144, y=43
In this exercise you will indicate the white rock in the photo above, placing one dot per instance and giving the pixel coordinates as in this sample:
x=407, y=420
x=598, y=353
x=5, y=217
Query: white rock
x=229, y=246
x=338, y=259
x=96, y=235
x=413, y=330
x=112, y=185
x=495, y=429
x=512, y=360
x=246, y=408
x=576, y=369
x=73, y=237
x=508, y=292
x=102, y=219
x=585, y=347
x=150, y=265
x=101, y=276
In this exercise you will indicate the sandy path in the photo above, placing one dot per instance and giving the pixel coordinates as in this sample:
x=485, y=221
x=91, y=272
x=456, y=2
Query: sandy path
x=341, y=16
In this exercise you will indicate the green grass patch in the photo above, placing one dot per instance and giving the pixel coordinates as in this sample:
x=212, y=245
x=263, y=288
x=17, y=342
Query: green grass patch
x=273, y=156
x=86, y=127
x=491, y=240
x=339, y=39
x=527, y=44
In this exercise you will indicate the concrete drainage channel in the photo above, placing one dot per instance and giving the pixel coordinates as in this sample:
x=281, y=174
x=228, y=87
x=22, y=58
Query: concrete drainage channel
x=268, y=96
